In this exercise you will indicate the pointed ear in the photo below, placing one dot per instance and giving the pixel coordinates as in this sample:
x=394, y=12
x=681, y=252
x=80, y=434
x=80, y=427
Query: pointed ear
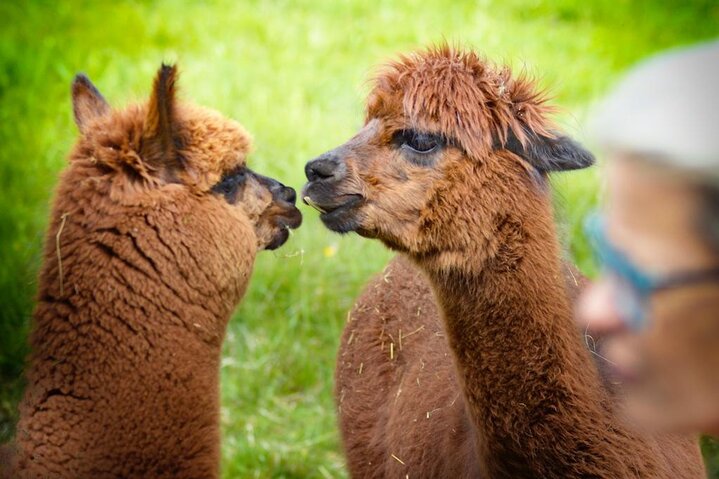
x=160, y=131
x=87, y=102
x=550, y=153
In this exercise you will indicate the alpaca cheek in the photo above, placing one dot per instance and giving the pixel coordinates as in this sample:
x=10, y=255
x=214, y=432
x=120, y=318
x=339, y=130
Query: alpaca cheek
x=255, y=201
x=244, y=238
x=245, y=264
x=262, y=234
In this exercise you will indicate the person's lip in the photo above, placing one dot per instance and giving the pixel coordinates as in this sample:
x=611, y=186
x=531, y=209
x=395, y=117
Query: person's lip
x=626, y=375
x=622, y=359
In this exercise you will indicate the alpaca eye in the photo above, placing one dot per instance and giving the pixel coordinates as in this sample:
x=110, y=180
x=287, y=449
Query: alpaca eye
x=230, y=184
x=418, y=142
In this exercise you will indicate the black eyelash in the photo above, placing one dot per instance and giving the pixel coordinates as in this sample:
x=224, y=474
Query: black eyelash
x=230, y=184
x=417, y=142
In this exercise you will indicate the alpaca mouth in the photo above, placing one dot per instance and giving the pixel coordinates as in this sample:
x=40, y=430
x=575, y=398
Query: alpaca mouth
x=278, y=239
x=338, y=214
x=290, y=219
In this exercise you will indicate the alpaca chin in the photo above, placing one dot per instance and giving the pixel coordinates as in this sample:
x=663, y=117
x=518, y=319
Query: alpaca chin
x=344, y=219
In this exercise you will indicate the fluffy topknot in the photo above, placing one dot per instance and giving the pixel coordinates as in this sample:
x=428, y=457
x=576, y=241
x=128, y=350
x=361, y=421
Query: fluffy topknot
x=461, y=95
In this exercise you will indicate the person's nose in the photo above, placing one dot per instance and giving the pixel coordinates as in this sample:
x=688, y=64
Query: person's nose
x=597, y=310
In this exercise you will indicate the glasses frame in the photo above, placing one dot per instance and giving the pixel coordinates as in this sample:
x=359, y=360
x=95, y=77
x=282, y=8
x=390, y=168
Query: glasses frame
x=642, y=284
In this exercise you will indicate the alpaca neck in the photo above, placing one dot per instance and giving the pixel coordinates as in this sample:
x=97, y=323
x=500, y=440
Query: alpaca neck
x=128, y=352
x=526, y=376
x=147, y=400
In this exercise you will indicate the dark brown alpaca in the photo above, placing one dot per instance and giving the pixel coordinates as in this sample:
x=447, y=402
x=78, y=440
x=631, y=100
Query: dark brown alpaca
x=450, y=170
x=153, y=236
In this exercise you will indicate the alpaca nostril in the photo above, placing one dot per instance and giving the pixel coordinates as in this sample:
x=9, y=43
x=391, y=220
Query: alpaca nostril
x=321, y=169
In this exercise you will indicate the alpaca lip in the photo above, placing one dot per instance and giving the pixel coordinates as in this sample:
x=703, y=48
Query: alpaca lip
x=278, y=239
x=352, y=201
x=338, y=211
x=292, y=219
x=329, y=208
x=343, y=218
x=289, y=219
x=308, y=201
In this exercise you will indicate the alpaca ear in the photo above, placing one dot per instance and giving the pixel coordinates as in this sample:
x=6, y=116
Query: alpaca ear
x=550, y=153
x=87, y=102
x=160, y=132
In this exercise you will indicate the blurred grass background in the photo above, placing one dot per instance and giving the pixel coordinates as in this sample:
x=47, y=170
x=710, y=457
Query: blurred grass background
x=294, y=73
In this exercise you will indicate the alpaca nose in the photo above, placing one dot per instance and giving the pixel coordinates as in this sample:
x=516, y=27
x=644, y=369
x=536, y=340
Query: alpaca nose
x=323, y=168
x=278, y=191
x=288, y=194
x=282, y=192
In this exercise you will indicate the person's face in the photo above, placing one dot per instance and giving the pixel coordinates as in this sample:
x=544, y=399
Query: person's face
x=670, y=368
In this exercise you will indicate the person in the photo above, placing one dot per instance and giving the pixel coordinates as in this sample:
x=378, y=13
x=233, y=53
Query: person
x=657, y=238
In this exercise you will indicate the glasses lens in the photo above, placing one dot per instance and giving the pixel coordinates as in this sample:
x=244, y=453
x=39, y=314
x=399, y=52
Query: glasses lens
x=631, y=284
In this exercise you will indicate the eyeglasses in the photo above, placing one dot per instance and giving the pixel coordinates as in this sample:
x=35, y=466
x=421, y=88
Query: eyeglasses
x=636, y=286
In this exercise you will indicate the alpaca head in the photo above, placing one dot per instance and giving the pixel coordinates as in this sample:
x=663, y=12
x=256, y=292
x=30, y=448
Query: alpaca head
x=450, y=150
x=166, y=148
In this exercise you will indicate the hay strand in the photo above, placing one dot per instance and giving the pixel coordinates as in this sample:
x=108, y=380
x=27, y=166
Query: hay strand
x=63, y=218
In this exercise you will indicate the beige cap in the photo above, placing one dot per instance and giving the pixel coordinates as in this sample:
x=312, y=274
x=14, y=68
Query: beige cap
x=667, y=108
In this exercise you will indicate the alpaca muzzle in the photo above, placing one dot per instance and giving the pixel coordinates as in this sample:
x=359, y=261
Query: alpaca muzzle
x=326, y=192
x=283, y=214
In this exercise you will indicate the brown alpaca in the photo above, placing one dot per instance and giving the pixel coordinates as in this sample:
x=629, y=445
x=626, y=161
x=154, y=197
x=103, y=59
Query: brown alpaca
x=154, y=231
x=451, y=171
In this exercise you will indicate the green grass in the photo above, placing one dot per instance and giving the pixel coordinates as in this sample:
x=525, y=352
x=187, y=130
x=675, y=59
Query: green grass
x=294, y=73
